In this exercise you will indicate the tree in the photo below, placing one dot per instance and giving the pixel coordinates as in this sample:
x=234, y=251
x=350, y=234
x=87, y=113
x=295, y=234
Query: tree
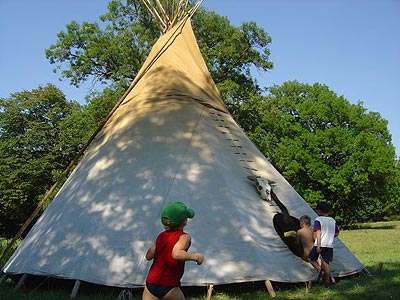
x=40, y=132
x=230, y=53
x=33, y=147
x=108, y=53
x=114, y=51
x=327, y=148
x=392, y=209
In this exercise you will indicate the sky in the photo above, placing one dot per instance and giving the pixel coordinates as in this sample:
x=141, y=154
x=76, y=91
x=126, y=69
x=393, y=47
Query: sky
x=351, y=46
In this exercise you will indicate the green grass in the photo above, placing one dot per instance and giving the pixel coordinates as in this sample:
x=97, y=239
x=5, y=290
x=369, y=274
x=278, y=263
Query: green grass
x=372, y=243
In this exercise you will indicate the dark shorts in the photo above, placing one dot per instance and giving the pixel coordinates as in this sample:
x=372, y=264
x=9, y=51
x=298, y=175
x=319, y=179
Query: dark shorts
x=158, y=290
x=326, y=254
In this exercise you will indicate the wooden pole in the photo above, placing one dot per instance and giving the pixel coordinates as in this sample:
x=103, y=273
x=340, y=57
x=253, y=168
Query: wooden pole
x=20, y=282
x=209, y=291
x=379, y=269
x=270, y=289
x=75, y=289
x=160, y=22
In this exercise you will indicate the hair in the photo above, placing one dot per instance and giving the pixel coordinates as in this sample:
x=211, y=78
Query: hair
x=323, y=207
x=305, y=220
x=170, y=227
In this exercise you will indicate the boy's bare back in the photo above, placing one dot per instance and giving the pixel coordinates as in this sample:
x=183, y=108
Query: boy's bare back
x=306, y=238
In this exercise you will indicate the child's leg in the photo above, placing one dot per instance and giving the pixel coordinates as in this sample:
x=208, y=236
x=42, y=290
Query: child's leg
x=326, y=258
x=174, y=294
x=147, y=295
x=313, y=259
x=316, y=265
x=325, y=266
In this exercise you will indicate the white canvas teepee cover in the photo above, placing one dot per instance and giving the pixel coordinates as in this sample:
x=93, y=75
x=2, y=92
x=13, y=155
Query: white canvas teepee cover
x=171, y=139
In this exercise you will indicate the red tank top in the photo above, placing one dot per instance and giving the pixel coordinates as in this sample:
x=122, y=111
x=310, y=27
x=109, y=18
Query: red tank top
x=166, y=270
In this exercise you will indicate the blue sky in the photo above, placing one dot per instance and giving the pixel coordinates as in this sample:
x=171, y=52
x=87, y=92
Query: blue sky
x=352, y=46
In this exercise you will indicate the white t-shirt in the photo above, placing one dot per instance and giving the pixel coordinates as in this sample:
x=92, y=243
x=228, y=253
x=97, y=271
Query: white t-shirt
x=329, y=230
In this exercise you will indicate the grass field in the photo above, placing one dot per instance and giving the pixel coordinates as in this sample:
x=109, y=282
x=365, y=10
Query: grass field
x=372, y=243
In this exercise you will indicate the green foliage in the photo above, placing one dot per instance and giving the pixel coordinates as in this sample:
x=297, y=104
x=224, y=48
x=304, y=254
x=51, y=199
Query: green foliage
x=3, y=244
x=115, y=50
x=101, y=103
x=391, y=211
x=328, y=149
x=32, y=145
x=230, y=53
x=108, y=52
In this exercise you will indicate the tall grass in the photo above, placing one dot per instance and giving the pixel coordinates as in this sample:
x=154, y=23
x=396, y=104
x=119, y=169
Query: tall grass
x=373, y=244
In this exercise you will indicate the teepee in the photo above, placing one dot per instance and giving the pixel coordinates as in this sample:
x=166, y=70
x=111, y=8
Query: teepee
x=171, y=138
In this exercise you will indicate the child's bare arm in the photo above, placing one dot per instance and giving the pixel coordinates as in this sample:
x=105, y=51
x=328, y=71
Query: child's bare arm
x=150, y=253
x=179, y=252
x=317, y=235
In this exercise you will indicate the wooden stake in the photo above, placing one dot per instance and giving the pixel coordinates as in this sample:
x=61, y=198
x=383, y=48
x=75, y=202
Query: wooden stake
x=20, y=282
x=209, y=291
x=308, y=286
x=270, y=289
x=75, y=289
x=380, y=267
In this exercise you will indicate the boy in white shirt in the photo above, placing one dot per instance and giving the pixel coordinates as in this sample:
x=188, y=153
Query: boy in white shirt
x=325, y=230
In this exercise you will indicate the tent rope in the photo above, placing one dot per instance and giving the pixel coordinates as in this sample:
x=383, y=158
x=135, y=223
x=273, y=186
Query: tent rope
x=194, y=132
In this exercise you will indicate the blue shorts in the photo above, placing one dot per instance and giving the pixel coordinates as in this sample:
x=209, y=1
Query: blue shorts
x=158, y=290
x=326, y=254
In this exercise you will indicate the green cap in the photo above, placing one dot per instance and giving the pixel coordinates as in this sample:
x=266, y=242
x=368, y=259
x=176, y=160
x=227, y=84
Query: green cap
x=175, y=213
